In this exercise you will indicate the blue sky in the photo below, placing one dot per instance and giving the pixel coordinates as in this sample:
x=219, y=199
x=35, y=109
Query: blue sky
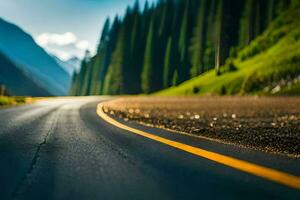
x=63, y=27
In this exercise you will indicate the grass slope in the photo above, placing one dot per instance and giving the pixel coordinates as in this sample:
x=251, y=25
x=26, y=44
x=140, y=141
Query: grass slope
x=270, y=65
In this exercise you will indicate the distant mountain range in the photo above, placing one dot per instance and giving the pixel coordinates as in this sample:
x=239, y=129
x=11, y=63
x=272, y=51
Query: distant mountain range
x=31, y=61
x=70, y=66
x=16, y=81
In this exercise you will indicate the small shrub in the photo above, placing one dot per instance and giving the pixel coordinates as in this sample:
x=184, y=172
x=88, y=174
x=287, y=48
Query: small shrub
x=230, y=66
x=5, y=101
x=279, y=23
x=196, y=90
x=252, y=83
x=276, y=37
x=261, y=44
x=296, y=36
x=20, y=99
x=223, y=90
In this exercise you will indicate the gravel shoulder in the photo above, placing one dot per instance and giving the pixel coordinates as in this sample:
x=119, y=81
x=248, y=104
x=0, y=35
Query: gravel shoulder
x=264, y=123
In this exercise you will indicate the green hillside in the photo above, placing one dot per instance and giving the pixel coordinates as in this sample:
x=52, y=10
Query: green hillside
x=269, y=65
x=154, y=47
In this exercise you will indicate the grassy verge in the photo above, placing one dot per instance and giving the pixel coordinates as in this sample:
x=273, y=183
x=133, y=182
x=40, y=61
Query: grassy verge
x=8, y=101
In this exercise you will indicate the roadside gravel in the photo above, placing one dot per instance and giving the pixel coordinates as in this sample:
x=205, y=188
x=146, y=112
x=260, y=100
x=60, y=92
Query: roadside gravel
x=265, y=123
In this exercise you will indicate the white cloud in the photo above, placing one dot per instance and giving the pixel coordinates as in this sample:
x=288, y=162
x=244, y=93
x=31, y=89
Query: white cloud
x=83, y=44
x=64, y=46
x=57, y=39
x=62, y=55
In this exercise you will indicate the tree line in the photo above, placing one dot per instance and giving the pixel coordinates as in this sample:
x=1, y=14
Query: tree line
x=166, y=43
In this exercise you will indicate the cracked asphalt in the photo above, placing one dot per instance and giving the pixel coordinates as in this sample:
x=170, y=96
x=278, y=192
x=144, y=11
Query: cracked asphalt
x=60, y=149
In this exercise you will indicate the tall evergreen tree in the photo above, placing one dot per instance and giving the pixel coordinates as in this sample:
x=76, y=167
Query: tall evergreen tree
x=175, y=80
x=136, y=53
x=99, y=61
x=198, y=41
x=116, y=79
x=107, y=57
x=148, y=70
x=74, y=85
x=220, y=25
x=168, y=65
x=183, y=70
x=86, y=75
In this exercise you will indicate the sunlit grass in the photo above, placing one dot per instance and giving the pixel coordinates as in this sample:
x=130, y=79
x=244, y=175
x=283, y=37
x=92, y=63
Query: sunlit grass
x=6, y=101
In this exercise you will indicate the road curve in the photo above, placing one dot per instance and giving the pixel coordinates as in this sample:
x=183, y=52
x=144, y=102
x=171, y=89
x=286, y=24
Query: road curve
x=61, y=149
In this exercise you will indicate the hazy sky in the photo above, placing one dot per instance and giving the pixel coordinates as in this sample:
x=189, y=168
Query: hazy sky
x=63, y=27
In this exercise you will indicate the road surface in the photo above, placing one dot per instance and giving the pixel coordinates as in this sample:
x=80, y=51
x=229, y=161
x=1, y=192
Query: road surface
x=61, y=149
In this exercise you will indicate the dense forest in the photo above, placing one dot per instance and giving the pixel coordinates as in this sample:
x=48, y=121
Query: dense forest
x=164, y=44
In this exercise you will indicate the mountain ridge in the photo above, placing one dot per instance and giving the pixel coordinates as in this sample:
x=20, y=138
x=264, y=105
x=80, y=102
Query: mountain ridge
x=70, y=66
x=32, y=59
x=17, y=83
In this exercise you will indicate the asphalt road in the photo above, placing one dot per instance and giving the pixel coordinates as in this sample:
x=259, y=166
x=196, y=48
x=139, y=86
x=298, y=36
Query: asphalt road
x=61, y=149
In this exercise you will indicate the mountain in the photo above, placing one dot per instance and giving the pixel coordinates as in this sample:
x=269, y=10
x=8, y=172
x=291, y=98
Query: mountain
x=17, y=83
x=70, y=66
x=269, y=65
x=21, y=48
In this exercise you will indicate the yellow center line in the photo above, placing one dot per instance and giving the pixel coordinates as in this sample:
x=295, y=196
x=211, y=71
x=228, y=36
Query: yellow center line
x=251, y=168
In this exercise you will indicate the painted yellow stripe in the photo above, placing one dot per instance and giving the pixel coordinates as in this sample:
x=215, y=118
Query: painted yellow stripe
x=254, y=169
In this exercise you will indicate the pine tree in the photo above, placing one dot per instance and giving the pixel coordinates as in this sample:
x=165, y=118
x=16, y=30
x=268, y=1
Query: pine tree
x=136, y=51
x=100, y=59
x=80, y=78
x=249, y=22
x=107, y=57
x=147, y=73
x=175, y=80
x=219, y=36
x=86, y=75
x=271, y=10
x=107, y=89
x=198, y=41
x=183, y=70
x=168, y=65
x=116, y=79
x=74, y=84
